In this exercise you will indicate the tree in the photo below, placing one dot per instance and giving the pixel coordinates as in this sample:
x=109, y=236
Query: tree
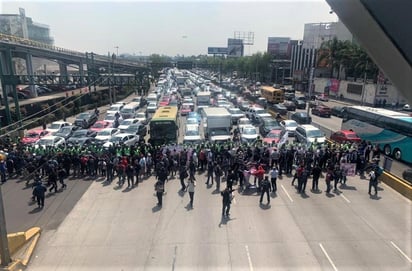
x=329, y=54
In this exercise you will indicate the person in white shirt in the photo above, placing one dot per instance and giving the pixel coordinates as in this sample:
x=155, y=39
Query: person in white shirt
x=273, y=173
x=191, y=189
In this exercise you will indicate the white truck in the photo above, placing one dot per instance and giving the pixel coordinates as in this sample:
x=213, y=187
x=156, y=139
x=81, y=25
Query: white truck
x=218, y=124
x=203, y=99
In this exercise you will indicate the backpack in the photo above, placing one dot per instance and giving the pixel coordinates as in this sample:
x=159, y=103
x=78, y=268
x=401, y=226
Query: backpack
x=378, y=171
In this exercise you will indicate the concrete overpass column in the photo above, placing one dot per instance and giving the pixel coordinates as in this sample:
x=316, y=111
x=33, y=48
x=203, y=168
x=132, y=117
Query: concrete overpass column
x=81, y=72
x=9, y=82
x=63, y=73
x=30, y=73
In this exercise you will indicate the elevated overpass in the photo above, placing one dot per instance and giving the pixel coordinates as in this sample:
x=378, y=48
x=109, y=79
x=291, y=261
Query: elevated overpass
x=383, y=29
x=93, y=69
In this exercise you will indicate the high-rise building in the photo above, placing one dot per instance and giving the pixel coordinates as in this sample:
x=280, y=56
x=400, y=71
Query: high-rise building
x=21, y=26
x=279, y=47
x=314, y=34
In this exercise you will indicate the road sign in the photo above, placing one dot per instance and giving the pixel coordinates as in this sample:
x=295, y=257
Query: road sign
x=217, y=50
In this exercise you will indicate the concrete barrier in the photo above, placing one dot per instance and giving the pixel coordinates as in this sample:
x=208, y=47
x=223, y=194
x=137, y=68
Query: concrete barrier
x=21, y=248
x=397, y=184
x=19, y=239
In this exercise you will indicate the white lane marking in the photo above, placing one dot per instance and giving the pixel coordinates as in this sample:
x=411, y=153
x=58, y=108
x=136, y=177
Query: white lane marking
x=248, y=258
x=345, y=198
x=287, y=194
x=327, y=256
x=400, y=251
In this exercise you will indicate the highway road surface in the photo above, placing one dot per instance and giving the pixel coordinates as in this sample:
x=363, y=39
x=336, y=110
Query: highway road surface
x=114, y=228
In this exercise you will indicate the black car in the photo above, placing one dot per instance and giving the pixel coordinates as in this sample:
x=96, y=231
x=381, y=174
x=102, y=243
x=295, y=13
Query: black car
x=290, y=106
x=267, y=125
x=66, y=131
x=301, y=118
x=83, y=133
x=136, y=129
x=289, y=96
x=337, y=111
x=300, y=104
x=86, y=119
x=278, y=109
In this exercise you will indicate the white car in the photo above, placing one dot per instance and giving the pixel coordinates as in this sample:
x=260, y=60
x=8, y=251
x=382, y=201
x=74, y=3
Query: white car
x=111, y=118
x=407, y=107
x=114, y=108
x=57, y=125
x=151, y=107
x=141, y=116
x=248, y=134
x=106, y=134
x=290, y=126
x=122, y=139
x=192, y=134
x=242, y=122
x=50, y=141
x=124, y=124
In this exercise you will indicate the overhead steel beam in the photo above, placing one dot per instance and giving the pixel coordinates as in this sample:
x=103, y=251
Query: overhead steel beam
x=376, y=42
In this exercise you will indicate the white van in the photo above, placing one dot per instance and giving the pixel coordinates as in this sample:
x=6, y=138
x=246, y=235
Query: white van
x=130, y=110
x=151, y=98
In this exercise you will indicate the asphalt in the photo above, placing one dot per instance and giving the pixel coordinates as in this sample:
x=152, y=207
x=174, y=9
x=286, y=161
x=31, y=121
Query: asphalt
x=115, y=228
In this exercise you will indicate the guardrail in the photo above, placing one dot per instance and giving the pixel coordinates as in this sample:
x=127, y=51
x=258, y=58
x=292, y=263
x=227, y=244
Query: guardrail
x=39, y=45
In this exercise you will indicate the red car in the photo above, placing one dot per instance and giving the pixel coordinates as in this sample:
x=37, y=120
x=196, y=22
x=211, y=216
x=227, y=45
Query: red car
x=33, y=135
x=185, y=109
x=164, y=102
x=322, y=111
x=345, y=136
x=99, y=125
x=273, y=136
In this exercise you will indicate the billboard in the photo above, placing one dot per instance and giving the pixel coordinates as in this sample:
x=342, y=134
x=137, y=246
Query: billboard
x=280, y=47
x=217, y=50
x=234, y=47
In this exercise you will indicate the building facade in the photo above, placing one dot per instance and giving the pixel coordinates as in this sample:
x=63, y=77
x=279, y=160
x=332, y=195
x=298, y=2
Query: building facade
x=314, y=34
x=21, y=26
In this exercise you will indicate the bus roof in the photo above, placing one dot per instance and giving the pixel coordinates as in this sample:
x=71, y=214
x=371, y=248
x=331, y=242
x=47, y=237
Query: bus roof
x=269, y=88
x=384, y=112
x=165, y=113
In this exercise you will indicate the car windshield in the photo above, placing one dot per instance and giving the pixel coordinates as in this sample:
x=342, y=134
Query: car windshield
x=32, y=134
x=291, y=124
x=270, y=122
x=351, y=136
x=65, y=130
x=114, y=108
x=98, y=125
x=127, y=110
x=104, y=133
x=116, y=139
x=54, y=126
x=315, y=133
x=191, y=121
x=140, y=115
x=110, y=117
x=83, y=116
x=235, y=111
x=46, y=142
x=273, y=135
x=192, y=132
x=244, y=121
x=249, y=131
x=126, y=122
x=79, y=133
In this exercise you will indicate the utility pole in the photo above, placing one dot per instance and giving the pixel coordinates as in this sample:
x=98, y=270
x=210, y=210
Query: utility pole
x=4, y=243
x=109, y=79
x=364, y=83
x=311, y=76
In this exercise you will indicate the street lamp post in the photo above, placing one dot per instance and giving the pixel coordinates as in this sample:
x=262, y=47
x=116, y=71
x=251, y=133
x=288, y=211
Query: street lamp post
x=311, y=77
x=117, y=50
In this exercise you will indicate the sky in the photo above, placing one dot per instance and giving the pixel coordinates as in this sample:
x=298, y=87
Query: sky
x=169, y=27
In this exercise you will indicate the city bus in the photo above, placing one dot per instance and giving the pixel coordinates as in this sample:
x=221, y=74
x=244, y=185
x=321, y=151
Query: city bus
x=272, y=95
x=164, y=126
x=391, y=130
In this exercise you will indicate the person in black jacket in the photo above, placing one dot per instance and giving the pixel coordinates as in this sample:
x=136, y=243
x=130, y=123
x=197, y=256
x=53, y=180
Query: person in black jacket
x=265, y=189
x=226, y=201
x=39, y=194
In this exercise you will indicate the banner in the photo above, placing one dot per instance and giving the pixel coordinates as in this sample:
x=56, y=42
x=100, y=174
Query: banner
x=349, y=168
x=284, y=139
x=334, y=85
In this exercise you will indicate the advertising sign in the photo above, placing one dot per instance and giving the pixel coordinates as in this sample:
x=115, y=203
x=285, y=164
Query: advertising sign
x=334, y=85
x=234, y=47
x=279, y=47
x=217, y=50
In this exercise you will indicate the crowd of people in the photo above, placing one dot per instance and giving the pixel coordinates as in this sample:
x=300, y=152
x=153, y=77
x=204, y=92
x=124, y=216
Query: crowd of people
x=249, y=166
